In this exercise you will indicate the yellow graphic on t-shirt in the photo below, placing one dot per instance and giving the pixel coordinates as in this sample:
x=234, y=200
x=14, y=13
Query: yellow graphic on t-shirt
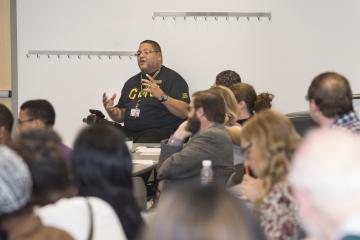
x=136, y=94
x=184, y=95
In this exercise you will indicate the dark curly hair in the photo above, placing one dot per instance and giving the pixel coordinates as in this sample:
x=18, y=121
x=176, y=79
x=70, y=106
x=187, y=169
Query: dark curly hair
x=227, y=78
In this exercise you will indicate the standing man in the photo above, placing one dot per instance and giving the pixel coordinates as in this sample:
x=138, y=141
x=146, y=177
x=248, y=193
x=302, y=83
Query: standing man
x=181, y=164
x=330, y=102
x=153, y=102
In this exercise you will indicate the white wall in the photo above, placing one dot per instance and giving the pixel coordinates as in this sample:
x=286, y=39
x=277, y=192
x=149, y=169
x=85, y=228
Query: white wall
x=304, y=38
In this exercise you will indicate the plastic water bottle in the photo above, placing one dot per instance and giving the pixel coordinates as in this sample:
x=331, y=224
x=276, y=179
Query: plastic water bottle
x=206, y=174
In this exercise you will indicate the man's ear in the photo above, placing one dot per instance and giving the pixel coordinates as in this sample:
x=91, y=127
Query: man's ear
x=313, y=105
x=4, y=135
x=200, y=112
x=2, y=132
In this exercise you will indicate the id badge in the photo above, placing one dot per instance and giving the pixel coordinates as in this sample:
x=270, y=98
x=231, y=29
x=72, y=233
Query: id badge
x=135, y=112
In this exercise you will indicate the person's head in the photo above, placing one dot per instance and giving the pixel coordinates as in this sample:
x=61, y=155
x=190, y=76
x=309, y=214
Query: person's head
x=6, y=124
x=43, y=152
x=101, y=159
x=35, y=114
x=202, y=213
x=268, y=140
x=227, y=78
x=326, y=180
x=329, y=96
x=15, y=182
x=248, y=100
x=230, y=103
x=149, y=56
x=206, y=107
x=103, y=168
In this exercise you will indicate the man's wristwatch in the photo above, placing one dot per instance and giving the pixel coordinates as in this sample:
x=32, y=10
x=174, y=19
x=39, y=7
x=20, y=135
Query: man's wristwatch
x=163, y=98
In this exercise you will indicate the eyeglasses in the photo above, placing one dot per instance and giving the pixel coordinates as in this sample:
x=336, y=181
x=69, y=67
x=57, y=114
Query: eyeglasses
x=145, y=52
x=20, y=122
x=245, y=150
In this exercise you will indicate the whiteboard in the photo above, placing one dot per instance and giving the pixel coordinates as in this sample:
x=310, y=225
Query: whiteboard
x=280, y=56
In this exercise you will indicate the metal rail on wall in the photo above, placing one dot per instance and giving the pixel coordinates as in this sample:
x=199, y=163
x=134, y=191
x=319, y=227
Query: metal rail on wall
x=215, y=15
x=81, y=54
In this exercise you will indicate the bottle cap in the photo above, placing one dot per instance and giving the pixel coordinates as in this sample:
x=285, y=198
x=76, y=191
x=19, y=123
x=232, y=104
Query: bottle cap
x=206, y=163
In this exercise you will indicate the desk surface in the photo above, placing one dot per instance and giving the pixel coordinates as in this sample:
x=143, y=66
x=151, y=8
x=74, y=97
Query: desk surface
x=149, y=159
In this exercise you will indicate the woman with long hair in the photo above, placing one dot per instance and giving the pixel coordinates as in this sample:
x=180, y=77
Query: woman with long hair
x=103, y=168
x=268, y=141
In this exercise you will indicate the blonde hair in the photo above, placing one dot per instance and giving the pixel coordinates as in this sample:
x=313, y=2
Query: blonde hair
x=230, y=103
x=274, y=138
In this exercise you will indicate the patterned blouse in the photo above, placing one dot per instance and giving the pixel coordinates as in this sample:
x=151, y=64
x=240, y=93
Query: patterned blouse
x=278, y=213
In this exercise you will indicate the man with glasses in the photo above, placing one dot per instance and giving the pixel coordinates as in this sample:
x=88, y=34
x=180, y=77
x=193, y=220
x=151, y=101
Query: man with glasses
x=153, y=102
x=38, y=114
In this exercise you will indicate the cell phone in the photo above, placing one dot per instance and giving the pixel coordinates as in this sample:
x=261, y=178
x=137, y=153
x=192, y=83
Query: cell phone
x=98, y=113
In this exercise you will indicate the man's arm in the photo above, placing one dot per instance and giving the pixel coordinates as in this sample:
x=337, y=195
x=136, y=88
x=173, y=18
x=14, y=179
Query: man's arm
x=177, y=107
x=115, y=113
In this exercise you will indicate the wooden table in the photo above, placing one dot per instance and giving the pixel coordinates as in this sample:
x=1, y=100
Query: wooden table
x=139, y=167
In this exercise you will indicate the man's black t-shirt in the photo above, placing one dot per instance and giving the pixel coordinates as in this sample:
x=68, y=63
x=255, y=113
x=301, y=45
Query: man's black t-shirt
x=153, y=114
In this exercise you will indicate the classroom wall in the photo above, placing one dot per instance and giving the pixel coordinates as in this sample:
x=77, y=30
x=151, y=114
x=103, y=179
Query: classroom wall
x=281, y=56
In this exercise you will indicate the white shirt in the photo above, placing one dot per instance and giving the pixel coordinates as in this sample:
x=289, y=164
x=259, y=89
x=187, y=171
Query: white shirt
x=72, y=215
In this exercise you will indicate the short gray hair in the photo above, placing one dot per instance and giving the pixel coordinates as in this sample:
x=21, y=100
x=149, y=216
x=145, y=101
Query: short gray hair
x=327, y=166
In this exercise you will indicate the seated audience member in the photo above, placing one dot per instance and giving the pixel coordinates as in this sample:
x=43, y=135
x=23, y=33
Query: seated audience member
x=326, y=182
x=330, y=102
x=268, y=140
x=207, y=212
x=227, y=78
x=181, y=164
x=17, y=218
x=54, y=191
x=37, y=114
x=103, y=168
x=232, y=126
x=6, y=124
x=230, y=104
x=249, y=102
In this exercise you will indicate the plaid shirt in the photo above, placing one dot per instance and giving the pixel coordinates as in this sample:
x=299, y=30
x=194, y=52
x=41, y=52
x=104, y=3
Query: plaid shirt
x=349, y=121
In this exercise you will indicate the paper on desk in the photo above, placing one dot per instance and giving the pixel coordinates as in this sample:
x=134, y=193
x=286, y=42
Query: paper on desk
x=143, y=162
x=150, y=154
x=148, y=150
